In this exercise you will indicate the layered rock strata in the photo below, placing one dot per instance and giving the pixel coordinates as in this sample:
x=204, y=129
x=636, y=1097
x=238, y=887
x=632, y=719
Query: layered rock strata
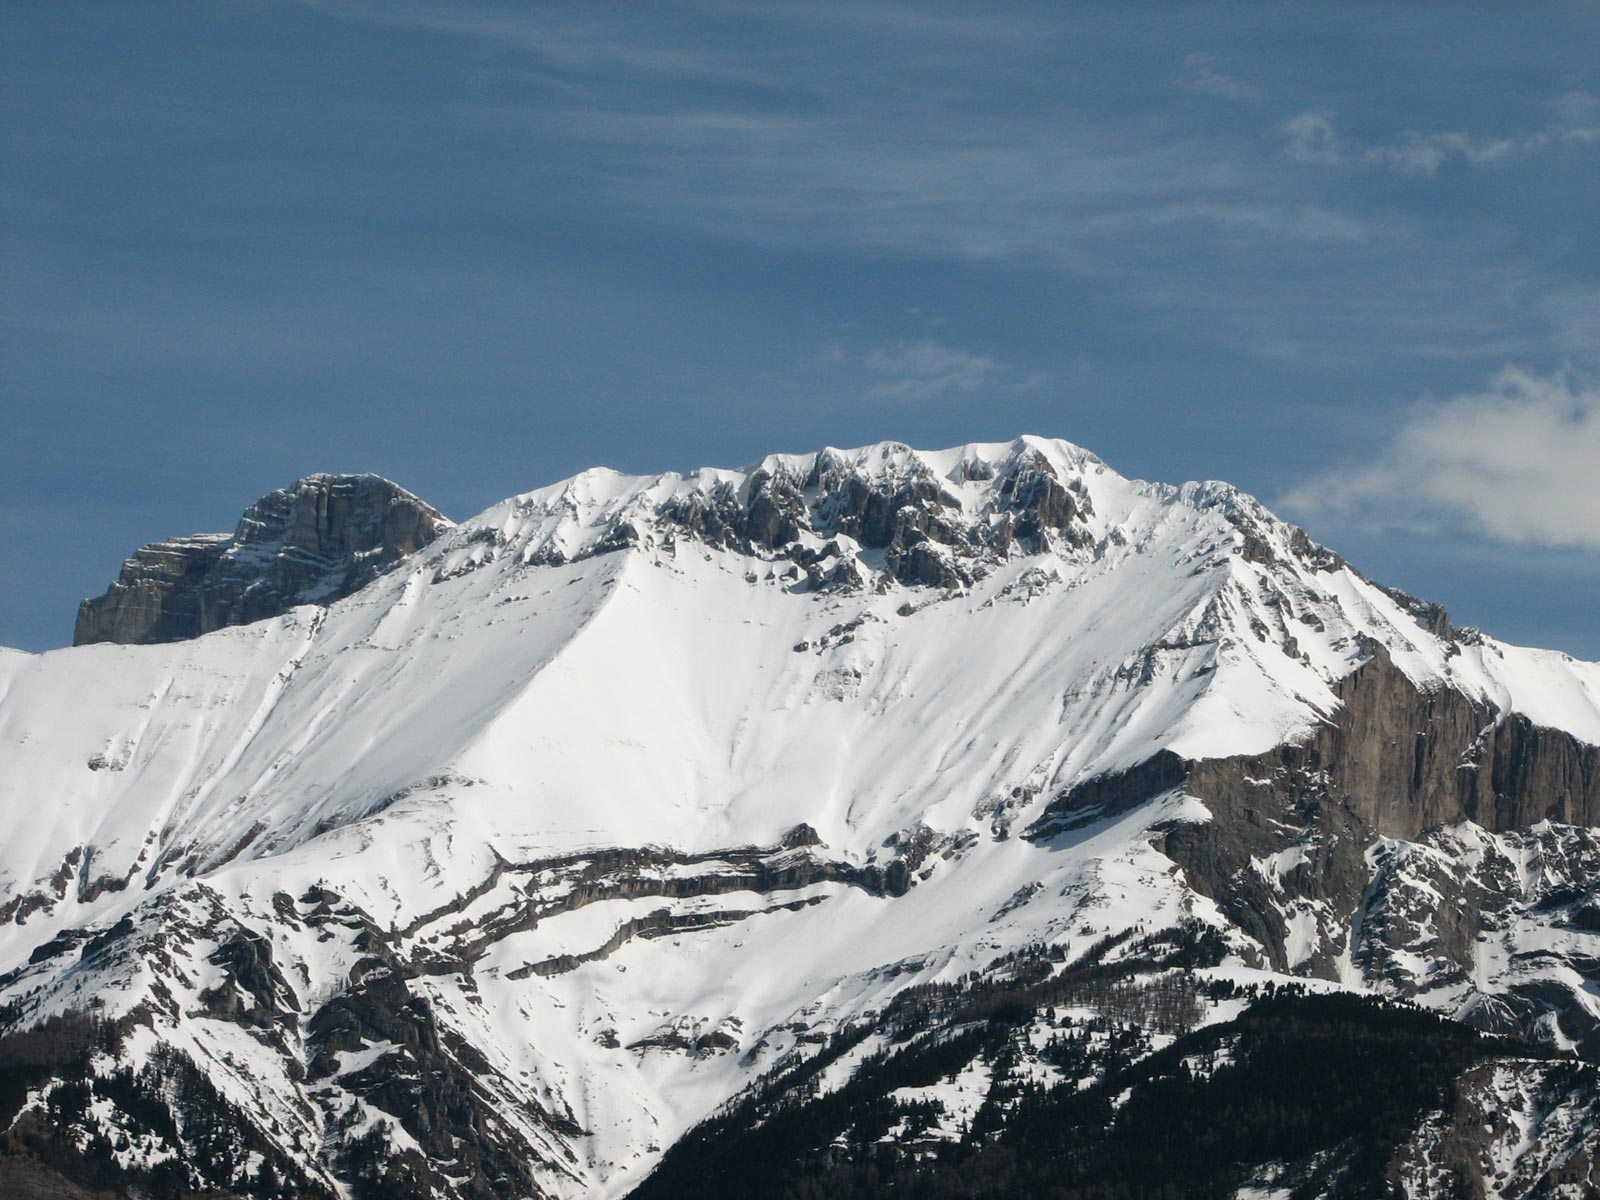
x=316, y=541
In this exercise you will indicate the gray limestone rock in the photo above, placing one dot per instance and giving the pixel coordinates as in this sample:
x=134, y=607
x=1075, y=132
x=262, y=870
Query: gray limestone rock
x=318, y=540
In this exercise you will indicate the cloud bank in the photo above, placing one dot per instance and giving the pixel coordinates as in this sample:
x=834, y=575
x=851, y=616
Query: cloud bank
x=1518, y=462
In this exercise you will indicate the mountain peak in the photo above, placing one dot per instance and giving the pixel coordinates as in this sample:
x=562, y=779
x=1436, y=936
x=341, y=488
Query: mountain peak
x=883, y=513
x=322, y=537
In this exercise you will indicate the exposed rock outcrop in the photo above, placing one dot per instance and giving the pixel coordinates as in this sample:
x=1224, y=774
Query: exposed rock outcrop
x=843, y=519
x=1340, y=846
x=314, y=542
x=1402, y=760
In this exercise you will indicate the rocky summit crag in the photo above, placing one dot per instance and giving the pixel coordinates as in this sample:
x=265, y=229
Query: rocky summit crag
x=877, y=822
x=314, y=542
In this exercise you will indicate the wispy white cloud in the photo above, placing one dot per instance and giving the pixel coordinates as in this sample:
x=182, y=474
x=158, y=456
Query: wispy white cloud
x=1201, y=75
x=924, y=369
x=1311, y=137
x=1516, y=462
x=556, y=38
x=810, y=147
x=1019, y=185
x=913, y=139
x=1575, y=311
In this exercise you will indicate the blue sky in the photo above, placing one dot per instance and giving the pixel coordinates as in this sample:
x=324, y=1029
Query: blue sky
x=1346, y=257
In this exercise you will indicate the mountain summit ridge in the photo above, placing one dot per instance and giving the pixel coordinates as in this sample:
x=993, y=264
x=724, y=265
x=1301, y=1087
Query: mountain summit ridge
x=614, y=803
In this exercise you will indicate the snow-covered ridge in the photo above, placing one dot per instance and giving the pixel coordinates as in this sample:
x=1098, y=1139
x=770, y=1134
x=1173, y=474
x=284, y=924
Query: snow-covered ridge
x=524, y=764
x=735, y=623
x=839, y=515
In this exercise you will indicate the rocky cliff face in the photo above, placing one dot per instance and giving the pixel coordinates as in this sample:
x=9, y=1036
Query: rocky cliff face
x=1316, y=848
x=1398, y=758
x=316, y=541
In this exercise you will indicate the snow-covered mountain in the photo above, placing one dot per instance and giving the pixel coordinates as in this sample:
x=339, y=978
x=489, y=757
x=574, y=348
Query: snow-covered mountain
x=635, y=800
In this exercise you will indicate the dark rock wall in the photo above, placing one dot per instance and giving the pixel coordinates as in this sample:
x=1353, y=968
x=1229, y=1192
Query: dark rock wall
x=1400, y=759
x=1393, y=761
x=1409, y=760
x=157, y=595
x=314, y=542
